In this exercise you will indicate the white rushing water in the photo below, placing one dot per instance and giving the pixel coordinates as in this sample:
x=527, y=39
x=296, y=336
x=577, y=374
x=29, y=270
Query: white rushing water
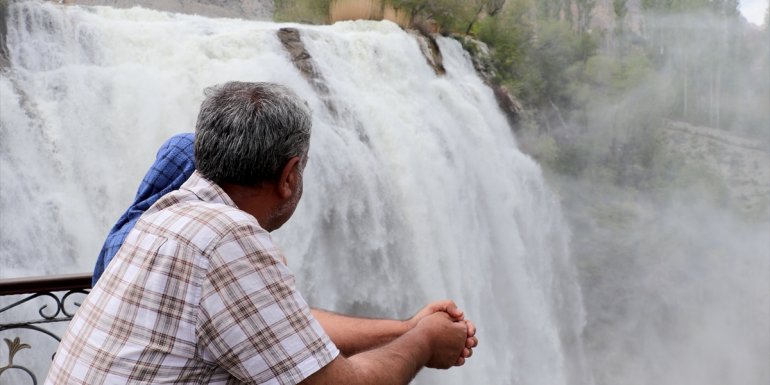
x=415, y=189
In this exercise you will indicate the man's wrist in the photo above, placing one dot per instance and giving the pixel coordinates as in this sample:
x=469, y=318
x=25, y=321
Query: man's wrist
x=407, y=325
x=421, y=342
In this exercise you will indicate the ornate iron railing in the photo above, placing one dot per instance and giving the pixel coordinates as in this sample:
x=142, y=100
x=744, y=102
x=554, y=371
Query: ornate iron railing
x=55, y=299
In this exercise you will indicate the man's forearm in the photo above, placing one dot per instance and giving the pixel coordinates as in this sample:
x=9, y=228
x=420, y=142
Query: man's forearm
x=396, y=363
x=435, y=342
x=353, y=335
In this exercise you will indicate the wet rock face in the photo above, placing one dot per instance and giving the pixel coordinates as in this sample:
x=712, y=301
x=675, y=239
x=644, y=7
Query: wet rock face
x=508, y=103
x=430, y=50
x=482, y=62
x=292, y=43
x=4, y=59
x=480, y=56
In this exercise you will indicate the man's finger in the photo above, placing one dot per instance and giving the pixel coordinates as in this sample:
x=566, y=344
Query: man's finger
x=460, y=361
x=451, y=308
x=471, y=328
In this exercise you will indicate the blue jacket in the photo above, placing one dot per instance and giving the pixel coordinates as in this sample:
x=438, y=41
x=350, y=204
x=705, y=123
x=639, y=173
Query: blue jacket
x=174, y=163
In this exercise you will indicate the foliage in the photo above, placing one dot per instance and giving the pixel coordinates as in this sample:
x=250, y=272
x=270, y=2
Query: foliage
x=511, y=36
x=450, y=15
x=621, y=9
x=303, y=11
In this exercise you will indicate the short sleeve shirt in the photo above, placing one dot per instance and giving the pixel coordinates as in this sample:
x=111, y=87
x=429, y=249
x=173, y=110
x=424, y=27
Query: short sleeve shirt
x=198, y=294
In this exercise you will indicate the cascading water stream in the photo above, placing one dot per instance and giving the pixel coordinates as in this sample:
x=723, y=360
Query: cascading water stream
x=415, y=189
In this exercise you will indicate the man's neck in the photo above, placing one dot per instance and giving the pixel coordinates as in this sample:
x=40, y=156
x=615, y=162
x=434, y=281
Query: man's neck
x=259, y=201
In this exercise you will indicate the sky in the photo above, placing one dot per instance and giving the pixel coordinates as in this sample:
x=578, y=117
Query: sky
x=754, y=10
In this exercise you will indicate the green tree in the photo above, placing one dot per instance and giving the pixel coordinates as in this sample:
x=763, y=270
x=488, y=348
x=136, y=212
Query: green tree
x=510, y=35
x=302, y=11
x=490, y=7
x=451, y=15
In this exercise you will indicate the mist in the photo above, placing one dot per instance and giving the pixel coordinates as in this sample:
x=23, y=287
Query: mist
x=662, y=167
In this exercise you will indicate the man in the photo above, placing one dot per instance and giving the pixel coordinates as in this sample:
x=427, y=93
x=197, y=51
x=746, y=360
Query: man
x=174, y=163
x=198, y=293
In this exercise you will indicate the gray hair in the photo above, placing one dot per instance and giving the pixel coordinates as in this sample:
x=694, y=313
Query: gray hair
x=246, y=132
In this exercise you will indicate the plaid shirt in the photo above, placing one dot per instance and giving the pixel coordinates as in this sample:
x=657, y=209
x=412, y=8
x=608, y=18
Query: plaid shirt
x=197, y=295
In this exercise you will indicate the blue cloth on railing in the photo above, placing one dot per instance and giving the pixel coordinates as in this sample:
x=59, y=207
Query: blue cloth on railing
x=173, y=166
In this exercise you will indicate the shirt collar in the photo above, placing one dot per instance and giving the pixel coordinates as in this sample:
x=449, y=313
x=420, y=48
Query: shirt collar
x=207, y=190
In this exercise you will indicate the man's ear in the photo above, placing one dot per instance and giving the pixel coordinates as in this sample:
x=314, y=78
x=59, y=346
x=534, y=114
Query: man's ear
x=289, y=178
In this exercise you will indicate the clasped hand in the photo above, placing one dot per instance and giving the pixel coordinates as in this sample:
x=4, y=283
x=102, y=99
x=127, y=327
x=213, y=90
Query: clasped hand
x=453, y=337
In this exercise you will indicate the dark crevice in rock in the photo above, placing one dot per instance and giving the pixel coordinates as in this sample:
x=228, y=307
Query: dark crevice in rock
x=430, y=50
x=508, y=104
x=290, y=38
x=292, y=43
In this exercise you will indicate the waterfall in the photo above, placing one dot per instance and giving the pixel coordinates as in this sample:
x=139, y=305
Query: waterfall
x=415, y=189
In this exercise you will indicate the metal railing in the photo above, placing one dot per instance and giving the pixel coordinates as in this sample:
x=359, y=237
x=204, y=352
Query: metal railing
x=54, y=297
